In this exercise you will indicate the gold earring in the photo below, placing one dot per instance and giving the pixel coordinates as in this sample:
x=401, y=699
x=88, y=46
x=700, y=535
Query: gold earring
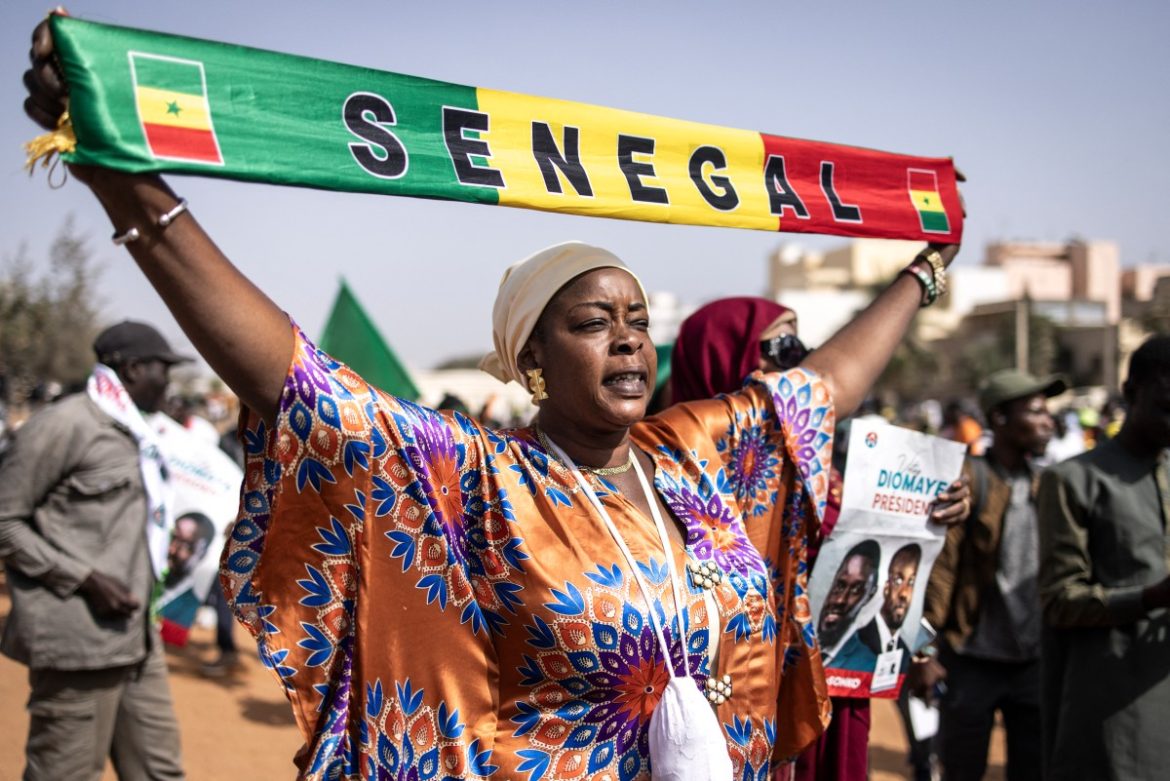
x=536, y=386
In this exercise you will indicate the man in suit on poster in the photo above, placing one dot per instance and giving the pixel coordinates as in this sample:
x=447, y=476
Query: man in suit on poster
x=853, y=586
x=884, y=633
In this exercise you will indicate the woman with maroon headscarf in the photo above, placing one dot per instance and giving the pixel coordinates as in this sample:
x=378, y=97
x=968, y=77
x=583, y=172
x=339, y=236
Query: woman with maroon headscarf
x=719, y=345
x=717, y=348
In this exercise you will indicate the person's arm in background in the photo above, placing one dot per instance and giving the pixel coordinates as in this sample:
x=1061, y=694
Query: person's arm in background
x=37, y=461
x=41, y=456
x=941, y=585
x=1069, y=596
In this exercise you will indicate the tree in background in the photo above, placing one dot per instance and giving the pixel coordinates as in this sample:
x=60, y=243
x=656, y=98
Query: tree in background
x=910, y=374
x=1043, y=345
x=913, y=368
x=982, y=354
x=48, y=320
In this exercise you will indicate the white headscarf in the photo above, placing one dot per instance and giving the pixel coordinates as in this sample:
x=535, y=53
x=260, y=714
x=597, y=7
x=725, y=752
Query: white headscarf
x=526, y=289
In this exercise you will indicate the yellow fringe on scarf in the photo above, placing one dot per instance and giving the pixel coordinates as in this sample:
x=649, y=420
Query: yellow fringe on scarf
x=47, y=147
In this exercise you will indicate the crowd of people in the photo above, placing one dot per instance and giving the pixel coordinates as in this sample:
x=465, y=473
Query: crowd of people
x=607, y=589
x=1013, y=594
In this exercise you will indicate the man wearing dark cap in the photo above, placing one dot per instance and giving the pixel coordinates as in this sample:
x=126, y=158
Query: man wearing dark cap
x=982, y=594
x=1105, y=587
x=84, y=531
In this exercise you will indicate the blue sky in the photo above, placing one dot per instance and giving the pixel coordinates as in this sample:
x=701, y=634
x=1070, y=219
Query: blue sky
x=1056, y=111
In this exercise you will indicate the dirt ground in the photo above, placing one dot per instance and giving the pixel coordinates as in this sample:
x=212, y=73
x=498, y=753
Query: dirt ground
x=240, y=726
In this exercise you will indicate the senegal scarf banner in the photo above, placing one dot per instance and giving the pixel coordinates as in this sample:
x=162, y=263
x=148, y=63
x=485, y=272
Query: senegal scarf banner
x=144, y=101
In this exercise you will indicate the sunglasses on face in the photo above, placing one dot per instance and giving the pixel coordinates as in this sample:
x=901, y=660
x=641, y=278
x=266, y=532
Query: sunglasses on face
x=785, y=351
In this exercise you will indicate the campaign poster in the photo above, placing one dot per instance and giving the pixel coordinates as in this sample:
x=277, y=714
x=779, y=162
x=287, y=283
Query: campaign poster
x=205, y=485
x=869, y=583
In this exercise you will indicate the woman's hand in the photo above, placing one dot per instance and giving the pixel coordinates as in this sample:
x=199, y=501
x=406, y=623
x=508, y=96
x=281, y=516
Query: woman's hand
x=46, y=88
x=925, y=676
x=48, y=94
x=953, y=506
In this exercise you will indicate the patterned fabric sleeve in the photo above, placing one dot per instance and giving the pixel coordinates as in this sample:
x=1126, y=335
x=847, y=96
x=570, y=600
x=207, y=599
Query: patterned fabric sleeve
x=806, y=421
x=769, y=458
x=349, y=549
x=777, y=421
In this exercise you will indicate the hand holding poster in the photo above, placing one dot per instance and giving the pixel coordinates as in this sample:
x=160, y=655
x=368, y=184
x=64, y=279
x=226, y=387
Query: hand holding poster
x=206, y=492
x=870, y=577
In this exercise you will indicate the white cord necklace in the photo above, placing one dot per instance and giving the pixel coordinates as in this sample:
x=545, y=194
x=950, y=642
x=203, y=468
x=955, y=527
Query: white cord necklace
x=686, y=742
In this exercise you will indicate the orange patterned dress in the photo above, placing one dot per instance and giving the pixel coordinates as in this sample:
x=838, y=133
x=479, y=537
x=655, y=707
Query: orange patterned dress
x=439, y=601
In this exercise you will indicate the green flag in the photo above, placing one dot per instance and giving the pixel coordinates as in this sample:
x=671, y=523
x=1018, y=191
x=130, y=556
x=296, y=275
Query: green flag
x=665, y=351
x=352, y=338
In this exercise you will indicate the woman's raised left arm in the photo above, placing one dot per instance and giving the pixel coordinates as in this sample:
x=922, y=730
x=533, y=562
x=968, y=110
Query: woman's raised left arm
x=851, y=361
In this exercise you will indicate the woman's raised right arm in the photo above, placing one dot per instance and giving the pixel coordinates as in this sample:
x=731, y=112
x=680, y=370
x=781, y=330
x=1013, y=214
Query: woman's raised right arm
x=239, y=331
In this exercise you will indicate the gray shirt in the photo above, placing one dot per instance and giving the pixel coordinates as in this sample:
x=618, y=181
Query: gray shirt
x=1009, y=620
x=72, y=501
x=1105, y=659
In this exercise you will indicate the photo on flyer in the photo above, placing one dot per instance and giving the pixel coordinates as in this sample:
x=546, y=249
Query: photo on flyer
x=869, y=582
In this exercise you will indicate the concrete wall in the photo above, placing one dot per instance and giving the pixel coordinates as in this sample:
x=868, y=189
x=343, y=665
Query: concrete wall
x=1138, y=282
x=1096, y=268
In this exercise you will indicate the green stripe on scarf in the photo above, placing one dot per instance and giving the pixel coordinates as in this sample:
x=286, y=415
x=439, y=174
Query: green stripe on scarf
x=277, y=117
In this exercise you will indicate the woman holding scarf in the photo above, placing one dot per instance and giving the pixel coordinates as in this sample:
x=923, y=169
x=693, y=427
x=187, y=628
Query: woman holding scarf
x=585, y=597
x=718, y=346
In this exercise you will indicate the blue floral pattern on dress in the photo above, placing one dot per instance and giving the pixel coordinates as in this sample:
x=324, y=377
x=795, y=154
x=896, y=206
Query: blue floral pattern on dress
x=438, y=600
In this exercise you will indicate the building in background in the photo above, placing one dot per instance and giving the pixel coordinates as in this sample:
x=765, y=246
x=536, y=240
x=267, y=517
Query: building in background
x=1042, y=306
x=1047, y=306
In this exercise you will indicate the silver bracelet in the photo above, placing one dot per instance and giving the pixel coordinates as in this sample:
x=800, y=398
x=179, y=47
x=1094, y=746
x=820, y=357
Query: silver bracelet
x=170, y=216
x=127, y=237
x=164, y=220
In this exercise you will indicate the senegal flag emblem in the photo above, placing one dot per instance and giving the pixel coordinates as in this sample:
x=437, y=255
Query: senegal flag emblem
x=171, y=95
x=923, y=185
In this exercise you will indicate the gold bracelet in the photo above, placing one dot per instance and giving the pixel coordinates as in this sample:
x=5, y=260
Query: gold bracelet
x=937, y=268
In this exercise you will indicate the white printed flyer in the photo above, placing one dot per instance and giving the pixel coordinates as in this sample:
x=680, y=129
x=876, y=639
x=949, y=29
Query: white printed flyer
x=869, y=582
x=205, y=483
